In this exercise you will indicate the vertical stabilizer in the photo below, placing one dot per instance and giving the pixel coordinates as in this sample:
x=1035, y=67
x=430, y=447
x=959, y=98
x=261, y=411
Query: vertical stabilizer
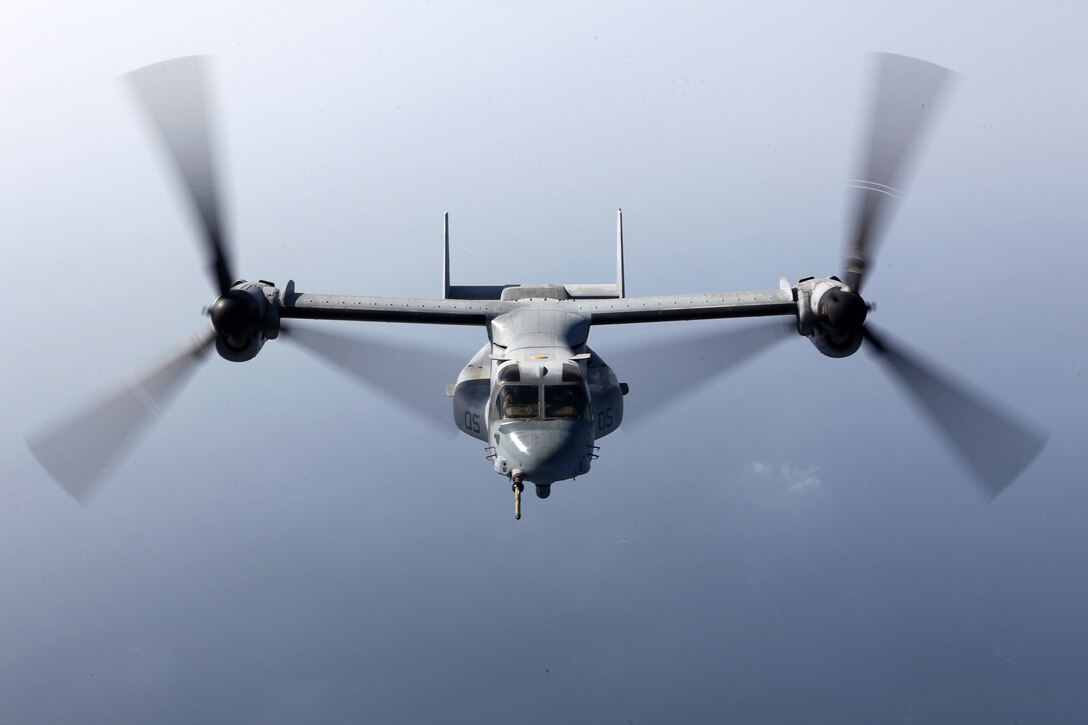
x=619, y=254
x=446, y=257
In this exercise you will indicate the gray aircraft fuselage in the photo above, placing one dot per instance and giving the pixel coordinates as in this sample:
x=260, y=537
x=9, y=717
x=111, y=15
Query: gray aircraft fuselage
x=538, y=395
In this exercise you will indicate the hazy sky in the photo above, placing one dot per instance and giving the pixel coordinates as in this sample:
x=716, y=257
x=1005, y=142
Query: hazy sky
x=792, y=545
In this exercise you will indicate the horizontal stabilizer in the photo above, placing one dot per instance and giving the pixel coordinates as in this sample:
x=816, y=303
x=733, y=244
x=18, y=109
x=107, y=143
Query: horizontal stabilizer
x=511, y=292
x=594, y=291
x=474, y=291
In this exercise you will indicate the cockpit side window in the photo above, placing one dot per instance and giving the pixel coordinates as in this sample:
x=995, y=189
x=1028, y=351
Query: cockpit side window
x=567, y=402
x=519, y=401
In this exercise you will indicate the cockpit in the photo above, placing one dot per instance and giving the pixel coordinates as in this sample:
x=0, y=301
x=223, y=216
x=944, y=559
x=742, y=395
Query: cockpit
x=557, y=402
x=535, y=393
x=540, y=421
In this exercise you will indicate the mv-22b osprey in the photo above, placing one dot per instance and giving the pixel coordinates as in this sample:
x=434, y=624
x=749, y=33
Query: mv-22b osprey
x=536, y=394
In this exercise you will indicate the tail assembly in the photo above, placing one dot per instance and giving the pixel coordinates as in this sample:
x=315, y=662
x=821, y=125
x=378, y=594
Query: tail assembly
x=606, y=291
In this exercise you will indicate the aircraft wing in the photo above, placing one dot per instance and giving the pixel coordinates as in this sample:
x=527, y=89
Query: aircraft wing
x=624, y=310
x=423, y=310
x=705, y=306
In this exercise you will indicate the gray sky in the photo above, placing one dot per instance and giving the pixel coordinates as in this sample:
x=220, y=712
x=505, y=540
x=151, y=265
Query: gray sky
x=793, y=545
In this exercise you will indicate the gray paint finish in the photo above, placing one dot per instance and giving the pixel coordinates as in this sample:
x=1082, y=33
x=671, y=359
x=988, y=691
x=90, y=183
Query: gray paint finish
x=789, y=544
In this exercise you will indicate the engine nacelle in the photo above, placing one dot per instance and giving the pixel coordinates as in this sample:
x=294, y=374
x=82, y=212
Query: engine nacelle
x=244, y=318
x=831, y=316
x=833, y=346
x=238, y=349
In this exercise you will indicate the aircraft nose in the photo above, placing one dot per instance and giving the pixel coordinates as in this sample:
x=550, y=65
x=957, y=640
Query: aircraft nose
x=545, y=451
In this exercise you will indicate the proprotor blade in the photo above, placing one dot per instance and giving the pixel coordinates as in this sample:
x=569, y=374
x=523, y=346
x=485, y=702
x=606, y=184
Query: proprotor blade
x=664, y=372
x=174, y=95
x=80, y=451
x=904, y=95
x=996, y=445
x=411, y=376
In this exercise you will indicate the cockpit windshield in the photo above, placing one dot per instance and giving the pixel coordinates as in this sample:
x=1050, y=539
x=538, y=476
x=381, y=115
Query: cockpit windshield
x=519, y=401
x=567, y=402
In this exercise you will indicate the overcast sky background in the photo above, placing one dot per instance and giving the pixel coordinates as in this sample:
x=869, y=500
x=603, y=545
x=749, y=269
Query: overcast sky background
x=793, y=545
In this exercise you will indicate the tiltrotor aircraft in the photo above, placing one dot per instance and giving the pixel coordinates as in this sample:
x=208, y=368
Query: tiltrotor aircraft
x=536, y=394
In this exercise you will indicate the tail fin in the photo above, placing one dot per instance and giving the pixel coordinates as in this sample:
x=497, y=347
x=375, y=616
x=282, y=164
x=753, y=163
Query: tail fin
x=619, y=253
